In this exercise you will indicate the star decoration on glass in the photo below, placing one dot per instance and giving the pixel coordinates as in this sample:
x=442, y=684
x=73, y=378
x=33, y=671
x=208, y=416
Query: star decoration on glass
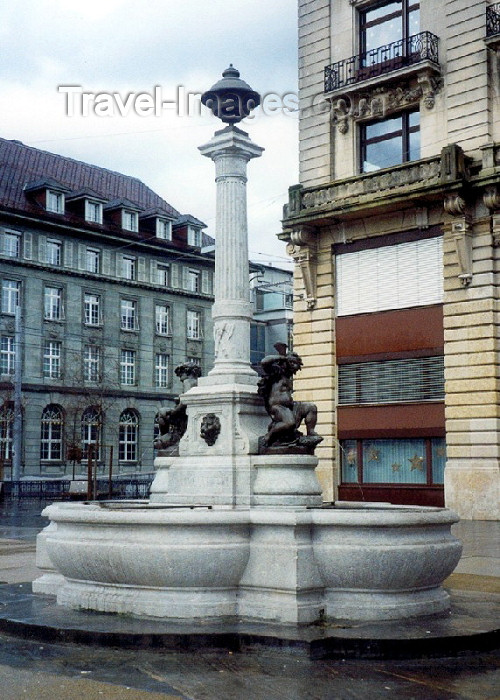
x=373, y=455
x=396, y=467
x=351, y=458
x=441, y=451
x=416, y=463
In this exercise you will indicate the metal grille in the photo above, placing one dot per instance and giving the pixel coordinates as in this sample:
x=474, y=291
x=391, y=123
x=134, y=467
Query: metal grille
x=493, y=19
x=392, y=381
x=383, y=59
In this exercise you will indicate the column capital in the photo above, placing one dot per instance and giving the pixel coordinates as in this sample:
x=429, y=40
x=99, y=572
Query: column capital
x=231, y=141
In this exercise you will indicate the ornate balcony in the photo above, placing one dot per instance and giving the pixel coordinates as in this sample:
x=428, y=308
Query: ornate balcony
x=385, y=59
x=493, y=20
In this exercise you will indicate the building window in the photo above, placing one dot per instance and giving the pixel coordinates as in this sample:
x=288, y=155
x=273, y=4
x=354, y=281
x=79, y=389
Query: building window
x=92, y=309
x=55, y=202
x=164, y=229
x=127, y=367
x=7, y=354
x=161, y=370
x=128, y=267
x=193, y=325
x=130, y=220
x=193, y=280
x=53, y=309
x=91, y=426
x=162, y=316
x=387, y=22
x=392, y=381
x=10, y=296
x=390, y=277
x=128, y=436
x=11, y=244
x=6, y=431
x=53, y=252
x=398, y=461
x=93, y=211
x=51, y=443
x=194, y=236
x=93, y=260
x=257, y=342
x=52, y=359
x=163, y=275
x=128, y=312
x=390, y=141
x=91, y=363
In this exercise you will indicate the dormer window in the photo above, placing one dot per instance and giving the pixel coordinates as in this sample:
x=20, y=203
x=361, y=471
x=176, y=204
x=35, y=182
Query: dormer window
x=93, y=211
x=164, y=229
x=54, y=201
x=130, y=220
x=194, y=236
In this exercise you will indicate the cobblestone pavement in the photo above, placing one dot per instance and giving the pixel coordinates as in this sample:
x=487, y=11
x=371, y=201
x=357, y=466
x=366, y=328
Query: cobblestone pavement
x=43, y=671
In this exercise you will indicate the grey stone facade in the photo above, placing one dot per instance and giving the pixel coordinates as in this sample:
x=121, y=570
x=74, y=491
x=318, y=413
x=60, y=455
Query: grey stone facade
x=101, y=340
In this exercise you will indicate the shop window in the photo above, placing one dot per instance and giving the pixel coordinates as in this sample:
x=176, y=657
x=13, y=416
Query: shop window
x=398, y=461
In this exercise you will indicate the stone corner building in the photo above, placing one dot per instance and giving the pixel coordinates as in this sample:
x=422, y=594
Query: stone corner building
x=395, y=230
x=114, y=293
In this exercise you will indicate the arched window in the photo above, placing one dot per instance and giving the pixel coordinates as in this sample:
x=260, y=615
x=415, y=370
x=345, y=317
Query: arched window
x=6, y=426
x=128, y=436
x=52, y=433
x=92, y=420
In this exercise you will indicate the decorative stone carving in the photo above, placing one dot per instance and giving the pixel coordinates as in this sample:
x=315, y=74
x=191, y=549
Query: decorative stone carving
x=341, y=112
x=371, y=185
x=302, y=248
x=491, y=198
x=454, y=204
x=276, y=388
x=495, y=229
x=172, y=422
x=210, y=428
x=462, y=236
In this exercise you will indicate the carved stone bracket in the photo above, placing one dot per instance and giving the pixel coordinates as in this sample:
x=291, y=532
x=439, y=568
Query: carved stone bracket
x=302, y=248
x=491, y=199
x=461, y=231
x=462, y=236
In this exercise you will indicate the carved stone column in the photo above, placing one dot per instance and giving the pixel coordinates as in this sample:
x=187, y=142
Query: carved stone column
x=231, y=149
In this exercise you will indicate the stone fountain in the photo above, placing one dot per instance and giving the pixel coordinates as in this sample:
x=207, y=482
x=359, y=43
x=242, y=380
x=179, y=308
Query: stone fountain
x=235, y=528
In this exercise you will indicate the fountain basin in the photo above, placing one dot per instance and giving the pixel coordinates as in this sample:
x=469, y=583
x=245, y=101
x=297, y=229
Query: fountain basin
x=285, y=565
x=160, y=562
x=385, y=562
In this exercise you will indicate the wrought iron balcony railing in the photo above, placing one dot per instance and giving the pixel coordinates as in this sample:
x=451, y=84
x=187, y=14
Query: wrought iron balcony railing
x=382, y=60
x=493, y=20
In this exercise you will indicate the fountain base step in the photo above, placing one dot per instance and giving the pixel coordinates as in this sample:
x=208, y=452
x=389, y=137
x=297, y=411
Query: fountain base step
x=470, y=627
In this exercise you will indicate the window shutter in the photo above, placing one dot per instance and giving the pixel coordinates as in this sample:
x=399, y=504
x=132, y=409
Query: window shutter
x=206, y=282
x=68, y=254
x=82, y=255
x=185, y=277
x=28, y=246
x=42, y=249
x=141, y=270
x=106, y=262
x=175, y=275
x=390, y=277
x=153, y=272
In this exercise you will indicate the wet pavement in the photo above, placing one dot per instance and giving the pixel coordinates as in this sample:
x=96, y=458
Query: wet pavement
x=38, y=669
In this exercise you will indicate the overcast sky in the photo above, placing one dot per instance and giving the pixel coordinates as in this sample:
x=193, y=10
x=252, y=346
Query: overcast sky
x=125, y=46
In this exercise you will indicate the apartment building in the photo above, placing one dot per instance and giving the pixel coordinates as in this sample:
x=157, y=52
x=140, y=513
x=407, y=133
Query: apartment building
x=113, y=292
x=394, y=228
